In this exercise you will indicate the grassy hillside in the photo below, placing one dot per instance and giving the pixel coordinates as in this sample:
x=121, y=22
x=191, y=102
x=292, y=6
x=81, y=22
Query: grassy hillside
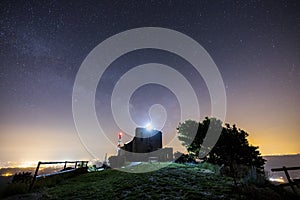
x=175, y=181
x=172, y=182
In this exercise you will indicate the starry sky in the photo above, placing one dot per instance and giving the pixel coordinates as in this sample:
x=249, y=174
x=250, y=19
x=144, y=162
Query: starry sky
x=255, y=44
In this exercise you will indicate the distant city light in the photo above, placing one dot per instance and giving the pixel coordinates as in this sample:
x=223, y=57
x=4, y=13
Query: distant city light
x=27, y=164
x=279, y=180
x=7, y=174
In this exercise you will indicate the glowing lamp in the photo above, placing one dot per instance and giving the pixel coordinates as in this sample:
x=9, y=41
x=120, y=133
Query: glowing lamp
x=149, y=127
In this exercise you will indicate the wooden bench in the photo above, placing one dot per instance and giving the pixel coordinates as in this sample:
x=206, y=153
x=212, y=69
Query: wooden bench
x=291, y=182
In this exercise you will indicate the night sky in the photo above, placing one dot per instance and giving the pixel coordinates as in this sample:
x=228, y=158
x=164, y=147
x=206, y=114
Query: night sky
x=255, y=44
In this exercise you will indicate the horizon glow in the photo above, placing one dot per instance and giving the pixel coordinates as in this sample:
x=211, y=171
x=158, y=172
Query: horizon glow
x=255, y=46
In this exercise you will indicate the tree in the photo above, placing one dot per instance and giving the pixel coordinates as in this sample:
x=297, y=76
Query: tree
x=183, y=158
x=192, y=133
x=231, y=147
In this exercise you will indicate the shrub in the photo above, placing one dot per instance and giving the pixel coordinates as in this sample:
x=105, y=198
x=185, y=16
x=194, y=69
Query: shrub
x=185, y=158
x=22, y=177
x=19, y=184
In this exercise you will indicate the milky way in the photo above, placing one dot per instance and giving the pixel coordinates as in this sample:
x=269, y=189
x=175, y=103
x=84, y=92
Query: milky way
x=255, y=44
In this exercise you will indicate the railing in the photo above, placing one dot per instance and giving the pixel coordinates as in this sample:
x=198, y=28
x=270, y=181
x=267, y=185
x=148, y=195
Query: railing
x=291, y=182
x=77, y=164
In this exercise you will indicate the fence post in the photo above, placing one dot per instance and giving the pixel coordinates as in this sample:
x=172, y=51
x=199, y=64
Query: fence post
x=34, y=176
x=65, y=165
x=289, y=179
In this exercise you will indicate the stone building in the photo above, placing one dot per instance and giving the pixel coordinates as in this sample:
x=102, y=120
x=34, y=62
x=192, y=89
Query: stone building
x=146, y=145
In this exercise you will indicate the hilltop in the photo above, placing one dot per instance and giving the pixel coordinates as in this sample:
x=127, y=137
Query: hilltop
x=175, y=181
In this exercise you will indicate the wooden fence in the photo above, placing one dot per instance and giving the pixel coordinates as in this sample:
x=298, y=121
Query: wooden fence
x=77, y=164
x=291, y=182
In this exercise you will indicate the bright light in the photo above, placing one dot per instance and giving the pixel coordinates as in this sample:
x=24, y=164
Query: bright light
x=7, y=174
x=120, y=135
x=149, y=127
x=27, y=164
x=280, y=180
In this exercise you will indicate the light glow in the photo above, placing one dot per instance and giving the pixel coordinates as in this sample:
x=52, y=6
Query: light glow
x=279, y=180
x=28, y=164
x=149, y=126
x=7, y=174
x=120, y=135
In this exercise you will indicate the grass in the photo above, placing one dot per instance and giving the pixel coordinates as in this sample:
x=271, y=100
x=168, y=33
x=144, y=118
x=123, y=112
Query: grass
x=171, y=181
x=12, y=189
x=21, y=186
x=175, y=181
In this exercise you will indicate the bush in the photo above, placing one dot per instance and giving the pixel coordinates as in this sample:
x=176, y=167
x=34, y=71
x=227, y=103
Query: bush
x=19, y=184
x=185, y=158
x=211, y=167
x=22, y=177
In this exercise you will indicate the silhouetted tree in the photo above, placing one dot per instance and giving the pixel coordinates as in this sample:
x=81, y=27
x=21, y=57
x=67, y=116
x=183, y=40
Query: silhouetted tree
x=192, y=133
x=231, y=147
x=183, y=158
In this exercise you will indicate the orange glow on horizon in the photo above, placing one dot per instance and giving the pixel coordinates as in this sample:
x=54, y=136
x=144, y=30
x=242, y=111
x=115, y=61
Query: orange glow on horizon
x=271, y=140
